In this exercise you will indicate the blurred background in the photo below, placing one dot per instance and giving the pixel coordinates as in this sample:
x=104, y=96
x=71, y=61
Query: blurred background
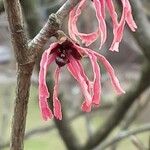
x=78, y=128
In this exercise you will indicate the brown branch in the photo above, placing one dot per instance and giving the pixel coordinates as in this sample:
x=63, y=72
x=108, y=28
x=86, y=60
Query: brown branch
x=120, y=109
x=52, y=25
x=31, y=16
x=19, y=38
x=25, y=67
x=131, y=115
x=135, y=111
x=137, y=143
x=124, y=134
x=67, y=134
x=142, y=35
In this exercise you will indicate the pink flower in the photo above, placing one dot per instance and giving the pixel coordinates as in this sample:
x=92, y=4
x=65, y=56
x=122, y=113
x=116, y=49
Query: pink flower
x=68, y=53
x=118, y=26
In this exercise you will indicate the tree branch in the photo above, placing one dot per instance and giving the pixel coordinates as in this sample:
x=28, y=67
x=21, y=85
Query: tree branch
x=137, y=143
x=131, y=115
x=135, y=111
x=18, y=36
x=142, y=35
x=52, y=25
x=120, y=109
x=124, y=134
x=31, y=16
x=25, y=67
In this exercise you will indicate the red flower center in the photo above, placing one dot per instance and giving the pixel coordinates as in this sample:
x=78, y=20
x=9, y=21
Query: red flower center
x=63, y=52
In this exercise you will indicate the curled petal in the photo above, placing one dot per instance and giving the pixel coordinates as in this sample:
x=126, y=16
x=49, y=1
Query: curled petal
x=56, y=102
x=114, y=17
x=107, y=65
x=88, y=82
x=45, y=110
x=101, y=21
x=112, y=13
x=111, y=73
x=86, y=39
x=46, y=60
x=97, y=79
x=118, y=28
x=103, y=7
x=118, y=32
x=72, y=25
x=74, y=70
x=129, y=18
x=85, y=107
x=96, y=84
x=43, y=90
x=73, y=17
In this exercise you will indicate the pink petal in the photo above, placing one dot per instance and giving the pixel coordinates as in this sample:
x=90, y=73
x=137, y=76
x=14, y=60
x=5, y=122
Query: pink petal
x=73, y=17
x=129, y=18
x=56, y=102
x=112, y=12
x=101, y=21
x=46, y=60
x=108, y=67
x=96, y=88
x=103, y=7
x=97, y=79
x=74, y=70
x=88, y=82
x=111, y=73
x=72, y=25
x=85, y=107
x=119, y=30
x=43, y=90
x=45, y=110
x=114, y=17
x=87, y=39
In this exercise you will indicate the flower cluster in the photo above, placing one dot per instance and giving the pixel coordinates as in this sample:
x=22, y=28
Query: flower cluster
x=68, y=53
x=118, y=26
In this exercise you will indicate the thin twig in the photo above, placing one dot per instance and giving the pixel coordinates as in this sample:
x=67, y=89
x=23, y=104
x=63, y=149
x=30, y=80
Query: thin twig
x=133, y=113
x=137, y=143
x=124, y=134
x=52, y=25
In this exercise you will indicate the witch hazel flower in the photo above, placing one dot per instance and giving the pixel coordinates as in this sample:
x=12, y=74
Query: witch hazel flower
x=100, y=7
x=67, y=53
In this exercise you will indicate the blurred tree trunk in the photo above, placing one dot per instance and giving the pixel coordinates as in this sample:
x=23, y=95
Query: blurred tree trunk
x=31, y=16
